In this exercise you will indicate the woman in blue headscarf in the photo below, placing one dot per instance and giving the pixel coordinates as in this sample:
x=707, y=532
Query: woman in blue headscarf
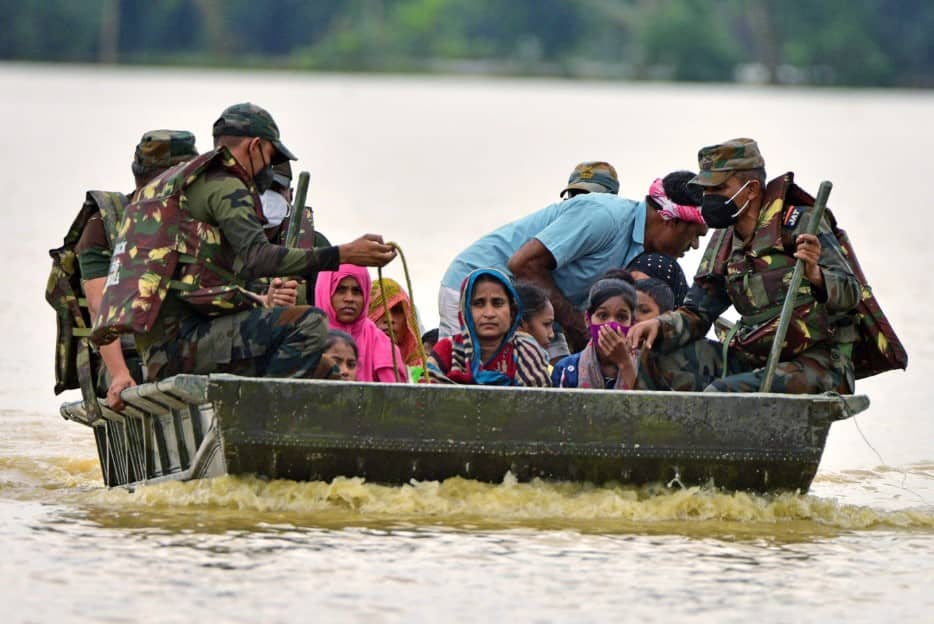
x=488, y=350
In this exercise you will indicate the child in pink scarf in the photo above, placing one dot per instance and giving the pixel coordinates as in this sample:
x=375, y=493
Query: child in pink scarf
x=344, y=295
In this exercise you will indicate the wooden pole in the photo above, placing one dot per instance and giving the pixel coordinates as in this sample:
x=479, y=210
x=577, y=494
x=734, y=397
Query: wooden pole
x=298, y=207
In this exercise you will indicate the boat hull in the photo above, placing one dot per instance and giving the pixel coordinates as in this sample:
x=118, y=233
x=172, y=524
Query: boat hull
x=198, y=426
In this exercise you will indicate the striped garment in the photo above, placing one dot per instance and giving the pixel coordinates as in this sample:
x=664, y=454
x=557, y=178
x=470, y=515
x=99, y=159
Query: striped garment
x=519, y=360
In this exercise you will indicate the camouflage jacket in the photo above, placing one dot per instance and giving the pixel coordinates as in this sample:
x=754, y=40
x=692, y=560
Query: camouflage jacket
x=156, y=239
x=75, y=365
x=754, y=278
x=201, y=245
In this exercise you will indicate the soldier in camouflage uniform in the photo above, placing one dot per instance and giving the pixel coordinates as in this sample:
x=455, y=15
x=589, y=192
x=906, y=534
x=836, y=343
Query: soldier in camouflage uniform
x=87, y=248
x=186, y=250
x=748, y=264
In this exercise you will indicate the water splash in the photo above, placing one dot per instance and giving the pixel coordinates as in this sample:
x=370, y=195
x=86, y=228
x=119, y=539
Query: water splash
x=510, y=502
x=75, y=482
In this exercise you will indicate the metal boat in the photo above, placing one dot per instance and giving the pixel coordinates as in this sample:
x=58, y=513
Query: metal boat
x=201, y=426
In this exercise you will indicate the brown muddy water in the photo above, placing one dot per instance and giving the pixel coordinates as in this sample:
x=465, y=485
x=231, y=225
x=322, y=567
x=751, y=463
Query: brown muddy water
x=433, y=163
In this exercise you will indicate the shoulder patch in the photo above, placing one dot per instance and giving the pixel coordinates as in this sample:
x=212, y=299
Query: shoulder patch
x=792, y=216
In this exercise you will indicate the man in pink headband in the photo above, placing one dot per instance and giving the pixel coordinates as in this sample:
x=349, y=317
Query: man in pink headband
x=668, y=209
x=676, y=223
x=566, y=246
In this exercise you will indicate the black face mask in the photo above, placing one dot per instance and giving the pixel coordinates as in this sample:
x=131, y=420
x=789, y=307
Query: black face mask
x=263, y=179
x=721, y=212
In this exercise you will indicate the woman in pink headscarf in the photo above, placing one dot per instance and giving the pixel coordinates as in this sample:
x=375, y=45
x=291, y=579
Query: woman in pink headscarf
x=344, y=295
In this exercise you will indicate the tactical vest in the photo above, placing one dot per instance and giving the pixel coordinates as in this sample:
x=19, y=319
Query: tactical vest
x=76, y=364
x=161, y=246
x=757, y=277
x=112, y=207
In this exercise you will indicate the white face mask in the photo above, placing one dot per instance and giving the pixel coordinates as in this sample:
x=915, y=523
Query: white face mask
x=733, y=199
x=275, y=208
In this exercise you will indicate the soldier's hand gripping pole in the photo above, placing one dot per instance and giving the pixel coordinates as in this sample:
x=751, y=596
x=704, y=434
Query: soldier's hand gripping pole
x=298, y=207
x=788, y=307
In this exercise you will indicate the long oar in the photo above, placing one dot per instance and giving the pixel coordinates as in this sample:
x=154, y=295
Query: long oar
x=298, y=207
x=789, y=306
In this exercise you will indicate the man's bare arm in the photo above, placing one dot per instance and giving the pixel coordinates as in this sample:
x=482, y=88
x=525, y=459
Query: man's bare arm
x=534, y=263
x=111, y=353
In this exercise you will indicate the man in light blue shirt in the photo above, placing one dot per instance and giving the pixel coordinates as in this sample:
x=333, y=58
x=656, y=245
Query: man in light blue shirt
x=568, y=245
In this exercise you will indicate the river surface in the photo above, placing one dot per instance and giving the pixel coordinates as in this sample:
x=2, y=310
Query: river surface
x=433, y=163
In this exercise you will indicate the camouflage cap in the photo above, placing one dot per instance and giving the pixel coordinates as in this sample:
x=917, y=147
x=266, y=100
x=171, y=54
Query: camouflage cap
x=718, y=162
x=282, y=174
x=160, y=149
x=249, y=120
x=593, y=177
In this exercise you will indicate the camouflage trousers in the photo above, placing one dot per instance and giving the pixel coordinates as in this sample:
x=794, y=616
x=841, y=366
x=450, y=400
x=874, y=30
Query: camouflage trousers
x=262, y=342
x=699, y=366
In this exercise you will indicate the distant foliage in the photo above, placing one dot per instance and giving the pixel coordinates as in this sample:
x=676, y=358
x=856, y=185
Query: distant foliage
x=851, y=42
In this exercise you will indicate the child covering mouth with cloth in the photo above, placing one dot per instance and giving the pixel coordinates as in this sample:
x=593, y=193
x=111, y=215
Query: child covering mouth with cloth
x=607, y=361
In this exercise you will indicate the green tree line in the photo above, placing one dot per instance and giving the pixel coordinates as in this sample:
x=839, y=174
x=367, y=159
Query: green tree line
x=835, y=42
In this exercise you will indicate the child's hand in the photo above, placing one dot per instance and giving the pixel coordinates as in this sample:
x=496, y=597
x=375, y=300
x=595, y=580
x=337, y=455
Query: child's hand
x=614, y=346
